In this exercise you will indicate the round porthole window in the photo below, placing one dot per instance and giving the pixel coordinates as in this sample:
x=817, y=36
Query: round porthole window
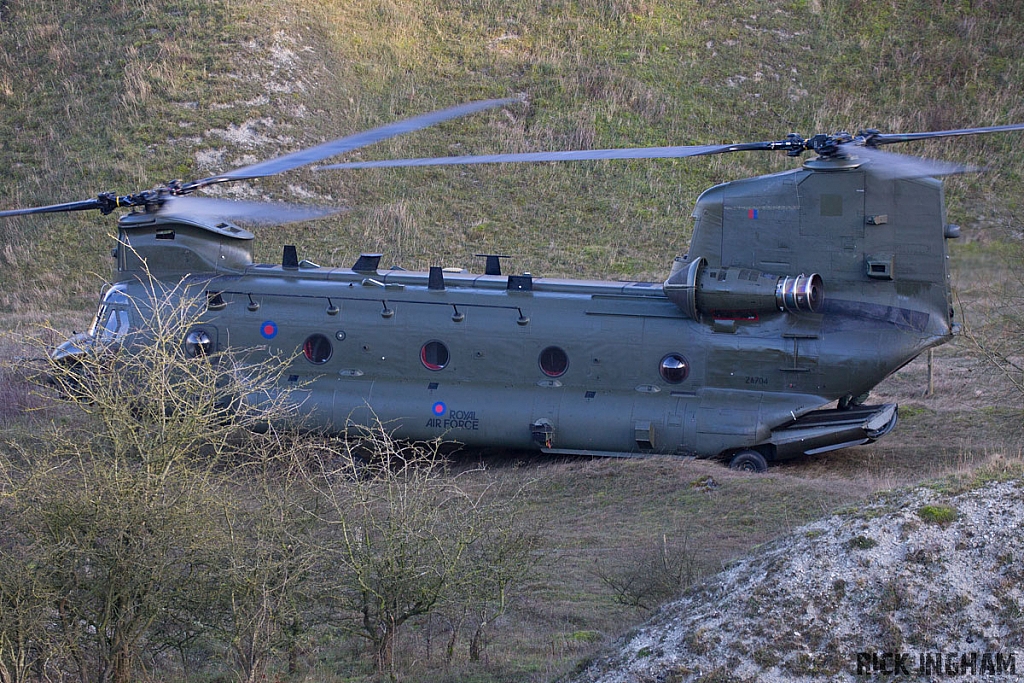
x=198, y=343
x=434, y=355
x=317, y=349
x=553, y=361
x=674, y=368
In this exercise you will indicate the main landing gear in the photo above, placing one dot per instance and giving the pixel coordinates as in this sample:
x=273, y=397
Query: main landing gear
x=749, y=460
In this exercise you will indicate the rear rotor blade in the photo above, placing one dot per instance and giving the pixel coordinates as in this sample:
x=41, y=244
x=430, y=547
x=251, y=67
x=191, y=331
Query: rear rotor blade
x=311, y=155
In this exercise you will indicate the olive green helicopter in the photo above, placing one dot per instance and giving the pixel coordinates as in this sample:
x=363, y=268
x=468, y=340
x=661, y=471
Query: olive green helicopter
x=800, y=292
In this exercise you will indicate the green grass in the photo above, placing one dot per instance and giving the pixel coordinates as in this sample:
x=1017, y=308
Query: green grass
x=862, y=543
x=940, y=515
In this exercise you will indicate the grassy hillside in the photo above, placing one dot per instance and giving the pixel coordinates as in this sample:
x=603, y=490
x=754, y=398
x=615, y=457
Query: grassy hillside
x=121, y=95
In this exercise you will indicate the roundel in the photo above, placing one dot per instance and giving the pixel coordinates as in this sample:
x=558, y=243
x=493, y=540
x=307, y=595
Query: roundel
x=438, y=408
x=268, y=329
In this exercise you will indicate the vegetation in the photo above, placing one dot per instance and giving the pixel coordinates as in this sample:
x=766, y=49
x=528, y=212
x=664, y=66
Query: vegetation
x=942, y=515
x=112, y=516
x=994, y=325
x=862, y=543
x=652, y=577
x=166, y=521
x=409, y=539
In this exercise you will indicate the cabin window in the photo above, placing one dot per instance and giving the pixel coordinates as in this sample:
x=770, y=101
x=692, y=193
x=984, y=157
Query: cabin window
x=434, y=355
x=198, y=343
x=317, y=349
x=115, y=324
x=553, y=361
x=674, y=368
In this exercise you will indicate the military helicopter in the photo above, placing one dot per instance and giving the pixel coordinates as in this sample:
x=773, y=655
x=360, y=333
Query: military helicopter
x=739, y=354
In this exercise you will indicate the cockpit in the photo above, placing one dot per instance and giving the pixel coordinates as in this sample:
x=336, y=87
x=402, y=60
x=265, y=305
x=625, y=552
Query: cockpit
x=111, y=324
x=112, y=321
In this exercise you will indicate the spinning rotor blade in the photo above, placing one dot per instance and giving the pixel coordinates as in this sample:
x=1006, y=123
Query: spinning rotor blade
x=893, y=166
x=260, y=213
x=574, y=155
x=311, y=155
x=827, y=146
x=156, y=199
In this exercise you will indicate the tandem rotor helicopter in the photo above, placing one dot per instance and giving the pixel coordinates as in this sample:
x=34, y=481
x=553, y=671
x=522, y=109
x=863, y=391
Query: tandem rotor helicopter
x=801, y=290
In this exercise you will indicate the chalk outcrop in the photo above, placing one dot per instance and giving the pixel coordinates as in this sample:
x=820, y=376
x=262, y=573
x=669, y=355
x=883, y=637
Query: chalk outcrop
x=921, y=584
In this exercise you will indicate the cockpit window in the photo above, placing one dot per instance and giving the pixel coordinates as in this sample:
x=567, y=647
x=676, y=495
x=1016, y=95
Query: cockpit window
x=112, y=320
x=116, y=325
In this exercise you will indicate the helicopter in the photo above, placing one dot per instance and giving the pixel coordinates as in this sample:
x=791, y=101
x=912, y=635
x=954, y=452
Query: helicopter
x=800, y=292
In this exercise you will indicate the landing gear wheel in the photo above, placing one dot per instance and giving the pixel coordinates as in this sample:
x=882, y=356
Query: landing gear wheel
x=847, y=402
x=749, y=461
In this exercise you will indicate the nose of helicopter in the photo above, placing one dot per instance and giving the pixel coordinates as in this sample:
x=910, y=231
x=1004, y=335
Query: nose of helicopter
x=68, y=355
x=73, y=348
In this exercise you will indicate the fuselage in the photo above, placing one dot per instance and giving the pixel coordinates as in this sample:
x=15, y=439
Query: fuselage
x=714, y=360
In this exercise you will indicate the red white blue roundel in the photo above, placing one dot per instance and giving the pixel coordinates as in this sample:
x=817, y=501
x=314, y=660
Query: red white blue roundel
x=439, y=408
x=268, y=329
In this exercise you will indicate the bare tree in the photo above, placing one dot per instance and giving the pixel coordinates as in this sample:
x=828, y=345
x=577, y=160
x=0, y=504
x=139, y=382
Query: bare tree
x=407, y=536
x=122, y=501
x=498, y=562
x=164, y=511
x=652, y=575
x=993, y=322
x=24, y=606
x=269, y=598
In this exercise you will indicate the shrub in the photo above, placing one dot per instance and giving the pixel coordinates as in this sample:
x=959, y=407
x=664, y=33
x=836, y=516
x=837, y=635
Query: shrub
x=943, y=515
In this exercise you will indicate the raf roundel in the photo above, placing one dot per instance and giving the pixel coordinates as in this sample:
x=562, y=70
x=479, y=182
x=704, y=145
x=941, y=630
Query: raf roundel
x=438, y=409
x=268, y=329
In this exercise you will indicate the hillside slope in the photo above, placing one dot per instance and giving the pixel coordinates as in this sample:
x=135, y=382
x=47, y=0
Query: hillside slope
x=120, y=96
x=922, y=574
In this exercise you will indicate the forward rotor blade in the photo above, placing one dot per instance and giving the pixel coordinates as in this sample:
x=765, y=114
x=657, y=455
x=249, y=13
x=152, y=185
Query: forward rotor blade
x=890, y=138
x=83, y=205
x=894, y=166
x=260, y=213
x=575, y=155
x=311, y=155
